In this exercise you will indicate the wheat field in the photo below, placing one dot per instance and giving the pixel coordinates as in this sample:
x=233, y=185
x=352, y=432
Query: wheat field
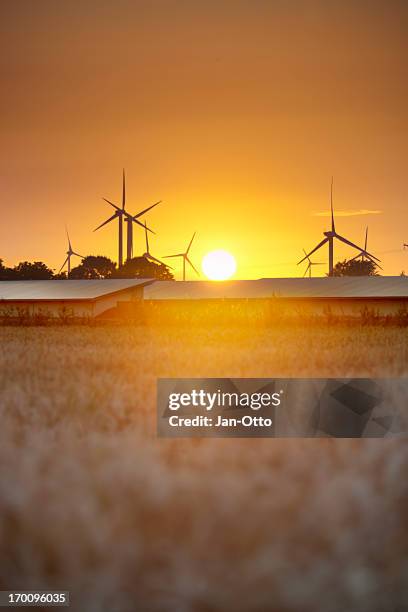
x=92, y=502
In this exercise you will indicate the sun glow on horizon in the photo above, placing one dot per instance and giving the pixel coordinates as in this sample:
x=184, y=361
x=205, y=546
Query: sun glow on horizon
x=219, y=265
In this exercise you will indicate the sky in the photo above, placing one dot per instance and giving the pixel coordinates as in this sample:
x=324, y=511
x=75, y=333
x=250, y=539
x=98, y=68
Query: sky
x=235, y=113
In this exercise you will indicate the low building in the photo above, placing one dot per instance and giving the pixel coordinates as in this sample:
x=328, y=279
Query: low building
x=66, y=299
x=139, y=298
x=340, y=295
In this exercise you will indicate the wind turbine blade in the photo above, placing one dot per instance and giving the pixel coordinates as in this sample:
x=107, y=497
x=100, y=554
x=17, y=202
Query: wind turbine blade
x=368, y=257
x=371, y=259
x=112, y=204
x=306, y=255
x=158, y=261
x=306, y=271
x=142, y=225
x=191, y=242
x=69, y=242
x=314, y=250
x=63, y=265
x=145, y=210
x=362, y=251
x=178, y=255
x=123, y=190
x=191, y=264
x=331, y=205
x=105, y=222
x=78, y=255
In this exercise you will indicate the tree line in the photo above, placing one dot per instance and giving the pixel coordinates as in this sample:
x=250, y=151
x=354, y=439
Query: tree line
x=99, y=266
x=91, y=267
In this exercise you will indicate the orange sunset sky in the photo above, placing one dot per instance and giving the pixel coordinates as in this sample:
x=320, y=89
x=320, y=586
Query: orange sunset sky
x=234, y=113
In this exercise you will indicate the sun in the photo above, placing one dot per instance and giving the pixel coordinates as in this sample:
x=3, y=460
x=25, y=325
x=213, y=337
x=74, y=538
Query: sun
x=219, y=265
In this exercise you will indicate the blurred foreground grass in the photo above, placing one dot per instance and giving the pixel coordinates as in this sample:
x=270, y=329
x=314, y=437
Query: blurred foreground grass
x=92, y=502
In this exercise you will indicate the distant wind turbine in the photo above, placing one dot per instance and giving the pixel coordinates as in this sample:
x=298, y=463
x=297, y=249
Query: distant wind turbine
x=330, y=236
x=70, y=252
x=186, y=259
x=147, y=255
x=364, y=255
x=310, y=264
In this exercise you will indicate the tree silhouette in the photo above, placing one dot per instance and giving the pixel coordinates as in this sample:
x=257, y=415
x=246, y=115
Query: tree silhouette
x=3, y=271
x=7, y=273
x=355, y=267
x=27, y=270
x=141, y=267
x=94, y=266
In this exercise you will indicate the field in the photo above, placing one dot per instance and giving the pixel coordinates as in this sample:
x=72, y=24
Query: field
x=92, y=502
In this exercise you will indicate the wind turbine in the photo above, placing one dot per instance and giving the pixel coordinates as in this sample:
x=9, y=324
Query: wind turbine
x=147, y=255
x=185, y=258
x=364, y=255
x=122, y=215
x=329, y=238
x=310, y=264
x=70, y=252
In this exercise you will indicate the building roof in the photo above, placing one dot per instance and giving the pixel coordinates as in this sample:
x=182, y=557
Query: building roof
x=49, y=290
x=382, y=287
x=323, y=287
